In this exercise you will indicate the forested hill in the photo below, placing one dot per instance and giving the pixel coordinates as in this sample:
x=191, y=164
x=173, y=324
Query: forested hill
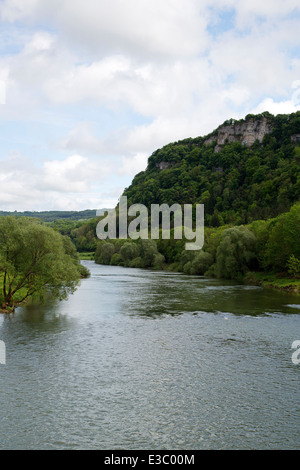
x=51, y=216
x=243, y=171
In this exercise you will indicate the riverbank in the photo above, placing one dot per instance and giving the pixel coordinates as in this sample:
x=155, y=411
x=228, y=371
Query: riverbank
x=7, y=310
x=277, y=281
x=267, y=280
x=273, y=281
x=88, y=256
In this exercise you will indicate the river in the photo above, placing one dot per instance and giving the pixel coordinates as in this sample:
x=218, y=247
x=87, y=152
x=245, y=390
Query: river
x=140, y=359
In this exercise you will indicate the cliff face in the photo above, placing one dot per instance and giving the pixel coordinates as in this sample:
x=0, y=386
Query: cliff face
x=246, y=132
x=240, y=183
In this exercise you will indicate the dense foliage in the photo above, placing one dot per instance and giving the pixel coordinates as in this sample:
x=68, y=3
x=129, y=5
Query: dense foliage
x=228, y=252
x=35, y=260
x=135, y=254
x=237, y=184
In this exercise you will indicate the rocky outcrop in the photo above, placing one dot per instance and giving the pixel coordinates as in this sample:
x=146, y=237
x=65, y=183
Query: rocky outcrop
x=162, y=165
x=246, y=132
x=295, y=138
x=165, y=165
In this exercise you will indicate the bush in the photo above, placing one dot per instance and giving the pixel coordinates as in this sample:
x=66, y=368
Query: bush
x=84, y=272
x=187, y=267
x=129, y=251
x=104, y=253
x=293, y=266
x=159, y=261
x=148, y=252
x=136, y=263
x=201, y=263
x=283, y=240
x=235, y=253
x=117, y=260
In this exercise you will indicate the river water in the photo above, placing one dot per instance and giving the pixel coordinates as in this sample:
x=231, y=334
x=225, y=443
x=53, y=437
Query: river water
x=152, y=360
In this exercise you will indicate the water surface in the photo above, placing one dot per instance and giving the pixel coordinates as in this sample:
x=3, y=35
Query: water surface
x=152, y=360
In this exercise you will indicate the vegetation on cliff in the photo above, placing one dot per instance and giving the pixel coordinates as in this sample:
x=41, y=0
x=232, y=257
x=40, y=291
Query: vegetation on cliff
x=237, y=183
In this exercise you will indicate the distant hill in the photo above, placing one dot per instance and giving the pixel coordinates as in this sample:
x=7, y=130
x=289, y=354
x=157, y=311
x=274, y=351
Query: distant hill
x=243, y=171
x=51, y=216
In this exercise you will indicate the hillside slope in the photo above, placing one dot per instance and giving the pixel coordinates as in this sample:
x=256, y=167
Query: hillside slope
x=243, y=171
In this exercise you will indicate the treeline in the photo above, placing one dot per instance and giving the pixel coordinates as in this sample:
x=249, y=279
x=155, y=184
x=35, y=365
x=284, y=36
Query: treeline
x=229, y=252
x=51, y=216
x=134, y=254
x=82, y=234
x=237, y=184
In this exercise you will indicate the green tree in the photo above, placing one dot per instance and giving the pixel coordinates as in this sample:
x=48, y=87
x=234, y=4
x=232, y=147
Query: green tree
x=34, y=260
x=201, y=263
x=283, y=240
x=235, y=253
x=104, y=252
x=293, y=266
x=70, y=250
x=158, y=261
x=117, y=260
x=129, y=251
x=148, y=252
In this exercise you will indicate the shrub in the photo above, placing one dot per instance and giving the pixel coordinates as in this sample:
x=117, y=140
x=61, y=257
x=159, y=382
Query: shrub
x=201, y=263
x=129, y=251
x=104, y=253
x=293, y=266
x=136, y=263
x=235, y=253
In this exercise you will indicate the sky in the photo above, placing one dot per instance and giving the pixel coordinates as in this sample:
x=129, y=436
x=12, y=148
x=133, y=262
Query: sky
x=89, y=89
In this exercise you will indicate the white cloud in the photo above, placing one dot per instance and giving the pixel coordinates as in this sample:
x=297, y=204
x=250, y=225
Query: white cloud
x=82, y=139
x=73, y=182
x=2, y=92
x=133, y=164
x=12, y=10
x=71, y=175
x=171, y=27
x=154, y=65
x=281, y=107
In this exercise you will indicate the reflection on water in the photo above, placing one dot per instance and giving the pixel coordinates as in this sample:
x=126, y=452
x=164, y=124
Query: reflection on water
x=158, y=293
x=152, y=360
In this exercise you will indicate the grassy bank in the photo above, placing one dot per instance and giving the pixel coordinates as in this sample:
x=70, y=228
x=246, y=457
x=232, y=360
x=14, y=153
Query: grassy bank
x=87, y=256
x=274, y=281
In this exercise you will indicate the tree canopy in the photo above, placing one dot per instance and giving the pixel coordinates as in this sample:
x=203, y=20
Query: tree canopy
x=35, y=260
x=236, y=183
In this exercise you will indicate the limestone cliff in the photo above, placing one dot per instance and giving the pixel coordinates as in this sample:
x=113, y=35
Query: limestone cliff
x=246, y=132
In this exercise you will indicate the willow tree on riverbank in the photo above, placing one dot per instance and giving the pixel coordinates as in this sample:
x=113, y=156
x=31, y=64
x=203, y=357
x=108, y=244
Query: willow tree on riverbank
x=35, y=260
